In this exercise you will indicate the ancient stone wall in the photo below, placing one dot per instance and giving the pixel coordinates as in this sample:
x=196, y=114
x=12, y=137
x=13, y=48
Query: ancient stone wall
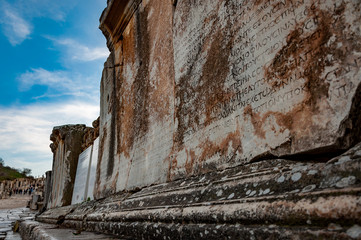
x=137, y=103
x=66, y=147
x=191, y=87
x=228, y=119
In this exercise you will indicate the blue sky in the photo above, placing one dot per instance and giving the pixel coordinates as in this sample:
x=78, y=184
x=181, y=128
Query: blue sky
x=52, y=55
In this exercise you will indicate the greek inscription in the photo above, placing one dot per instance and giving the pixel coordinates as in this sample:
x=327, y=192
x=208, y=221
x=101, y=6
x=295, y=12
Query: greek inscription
x=260, y=36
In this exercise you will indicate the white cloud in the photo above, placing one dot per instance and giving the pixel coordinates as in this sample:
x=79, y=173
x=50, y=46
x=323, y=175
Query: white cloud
x=89, y=54
x=80, y=52
x=25, y=131
x=15, y=28
x=40, y=76
x=16, y=16
x=60, y=83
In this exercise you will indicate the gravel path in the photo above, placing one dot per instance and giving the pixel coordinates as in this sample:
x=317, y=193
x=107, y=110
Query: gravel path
x=15, y=201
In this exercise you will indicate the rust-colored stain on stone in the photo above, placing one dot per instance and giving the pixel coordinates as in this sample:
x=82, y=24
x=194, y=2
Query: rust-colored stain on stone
x=209, y=85
x=256, y=121
x=191, y=160
x=194, y=101
x=309, y=52
x=142, y=97
x=100, y=161
x=207, y=100
x=211, y=148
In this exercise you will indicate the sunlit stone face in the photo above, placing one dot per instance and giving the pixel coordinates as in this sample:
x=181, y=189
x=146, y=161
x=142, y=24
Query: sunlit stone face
x=207, y=85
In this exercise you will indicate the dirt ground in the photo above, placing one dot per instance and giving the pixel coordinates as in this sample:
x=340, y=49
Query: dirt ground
x=16, y=201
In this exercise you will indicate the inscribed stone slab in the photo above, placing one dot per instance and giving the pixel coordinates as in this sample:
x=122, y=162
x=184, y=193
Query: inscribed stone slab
x=263, y=78
x=92, y=170
x=80, y=185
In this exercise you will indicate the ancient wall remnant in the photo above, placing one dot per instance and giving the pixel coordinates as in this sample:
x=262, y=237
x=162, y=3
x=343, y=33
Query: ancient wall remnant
x=227, y=119
x=137, y=99
x=193, y=87
x=66, y=147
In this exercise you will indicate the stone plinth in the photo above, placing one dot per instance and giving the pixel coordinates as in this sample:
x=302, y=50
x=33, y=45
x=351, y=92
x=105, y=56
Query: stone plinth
x=270, y=199
x=32, y=230
x=66, y=148
x=195, y=87
x=34, y=201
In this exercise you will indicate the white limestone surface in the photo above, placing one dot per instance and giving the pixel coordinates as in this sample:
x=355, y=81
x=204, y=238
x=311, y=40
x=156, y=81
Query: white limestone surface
x=81, y=179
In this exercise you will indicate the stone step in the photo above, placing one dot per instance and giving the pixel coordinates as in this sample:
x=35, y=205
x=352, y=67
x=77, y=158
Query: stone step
x=278, y=197
x=32, y=230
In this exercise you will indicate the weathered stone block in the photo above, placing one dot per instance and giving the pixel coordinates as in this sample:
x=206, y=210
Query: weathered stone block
x=81, y=178
x=195, y=87
x=90, y=135
x=66, y=148
x=86, y=174
x=259, y=79
x=136, y=117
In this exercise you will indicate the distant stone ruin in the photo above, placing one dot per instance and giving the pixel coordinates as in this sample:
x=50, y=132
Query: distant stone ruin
x=32, y=187
x=230, y=118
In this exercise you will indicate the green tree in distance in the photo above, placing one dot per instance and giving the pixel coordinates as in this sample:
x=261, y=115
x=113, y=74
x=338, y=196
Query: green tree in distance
x=26, y=171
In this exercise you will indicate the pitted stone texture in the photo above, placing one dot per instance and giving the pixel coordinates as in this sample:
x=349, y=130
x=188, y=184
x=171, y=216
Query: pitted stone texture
x=233, y=202
x=66, y=148
x=209, y=85
x=264, y=78
x=32, y=230
x=137, y=103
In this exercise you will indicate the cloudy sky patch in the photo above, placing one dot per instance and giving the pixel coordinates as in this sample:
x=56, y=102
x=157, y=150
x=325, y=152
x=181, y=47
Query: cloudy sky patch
x=26, y=130
x=15, y=28
x=52, y=58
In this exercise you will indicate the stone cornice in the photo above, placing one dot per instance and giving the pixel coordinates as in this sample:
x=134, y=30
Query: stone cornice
x=115, y=19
